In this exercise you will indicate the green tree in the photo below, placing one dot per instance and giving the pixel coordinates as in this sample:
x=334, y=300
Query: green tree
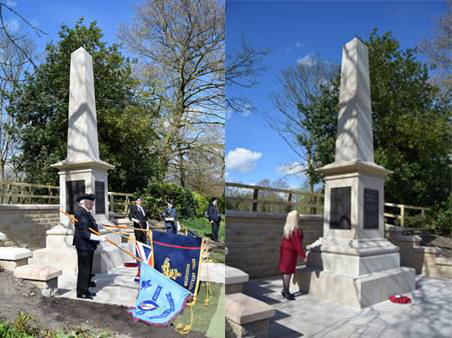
x=125, y=120
x=181, y=46
x=411, y=124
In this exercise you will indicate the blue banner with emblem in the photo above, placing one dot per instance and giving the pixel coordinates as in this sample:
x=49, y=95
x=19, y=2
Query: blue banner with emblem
x=179, y=258
x=159, y=299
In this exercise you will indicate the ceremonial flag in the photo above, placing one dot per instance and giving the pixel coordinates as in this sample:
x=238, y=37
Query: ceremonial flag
x=159, y=299
x=179, y=258
x=144, y=252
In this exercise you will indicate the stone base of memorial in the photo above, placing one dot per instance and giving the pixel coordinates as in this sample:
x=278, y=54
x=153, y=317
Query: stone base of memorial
x=60, y=252
x=359, y=273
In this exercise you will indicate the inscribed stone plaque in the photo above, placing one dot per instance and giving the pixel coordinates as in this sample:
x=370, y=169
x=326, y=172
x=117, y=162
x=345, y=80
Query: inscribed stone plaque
x=370, y=209
x=340, y=208
x=100, y=197
x=73, y=190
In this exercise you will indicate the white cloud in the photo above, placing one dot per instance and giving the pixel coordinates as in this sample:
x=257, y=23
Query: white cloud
x=242, y=159
x=12, y=25
x=247, y=110
x=299, y=44
x=308, y=61
x=226, y=174
x=228, y=114
x=290, y=169
x=11, y=3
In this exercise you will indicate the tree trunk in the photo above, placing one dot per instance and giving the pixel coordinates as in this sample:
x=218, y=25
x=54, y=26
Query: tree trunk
x=2, y=170
x=181, y=167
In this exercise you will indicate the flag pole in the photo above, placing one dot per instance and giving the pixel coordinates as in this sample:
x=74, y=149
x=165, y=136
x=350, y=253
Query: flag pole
x=116, y=245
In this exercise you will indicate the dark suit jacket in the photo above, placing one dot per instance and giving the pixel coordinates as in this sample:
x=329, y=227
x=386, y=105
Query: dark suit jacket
x=81, y=236
x=169, y=213
x=213, y=214
x=135, y=212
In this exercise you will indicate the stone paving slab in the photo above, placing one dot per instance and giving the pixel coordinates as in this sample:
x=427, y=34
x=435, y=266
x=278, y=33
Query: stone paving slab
x=214, y=272
x=118, y=285
x=429, y=315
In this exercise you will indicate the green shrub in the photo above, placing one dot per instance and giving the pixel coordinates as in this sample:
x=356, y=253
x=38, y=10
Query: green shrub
x=21, y=327
x=156, y=195
x=440, y=217
x=416, y=221
x=202, y=203
x=222, y=204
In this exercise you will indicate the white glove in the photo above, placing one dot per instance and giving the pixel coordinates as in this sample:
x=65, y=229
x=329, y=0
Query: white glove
x=96, y=238
x=135, y=220
x=169, y=219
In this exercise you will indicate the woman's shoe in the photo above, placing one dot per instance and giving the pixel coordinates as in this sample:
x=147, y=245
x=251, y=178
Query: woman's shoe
x=287, y=295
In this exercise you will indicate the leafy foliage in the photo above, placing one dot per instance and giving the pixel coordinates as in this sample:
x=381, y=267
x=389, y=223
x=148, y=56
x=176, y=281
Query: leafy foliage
x=440, y=217
x=156, y=195
x=125, y=122
x=201, y=204
x=411, y=124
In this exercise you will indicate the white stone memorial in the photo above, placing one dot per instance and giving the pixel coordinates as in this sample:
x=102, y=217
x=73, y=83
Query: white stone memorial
x=354, y=264
x=81, y=172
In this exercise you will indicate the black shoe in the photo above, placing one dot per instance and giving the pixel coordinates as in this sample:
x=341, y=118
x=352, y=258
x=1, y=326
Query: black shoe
x=287, y=295
x=92, y=294
x=85, y=295
x=92, y=284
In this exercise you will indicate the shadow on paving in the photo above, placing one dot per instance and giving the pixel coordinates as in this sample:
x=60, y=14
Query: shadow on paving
x=428, y=316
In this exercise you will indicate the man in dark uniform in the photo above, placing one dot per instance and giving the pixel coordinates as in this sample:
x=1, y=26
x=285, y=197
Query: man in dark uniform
x=139, y=217
x=170, y=218
x=213, y=214
x=85, y=242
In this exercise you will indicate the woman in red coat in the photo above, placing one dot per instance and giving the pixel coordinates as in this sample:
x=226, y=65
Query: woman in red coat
x=291, y=248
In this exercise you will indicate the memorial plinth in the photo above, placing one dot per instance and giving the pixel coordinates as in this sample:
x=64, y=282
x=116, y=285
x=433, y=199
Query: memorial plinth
x=82, y=172
x=354, y=264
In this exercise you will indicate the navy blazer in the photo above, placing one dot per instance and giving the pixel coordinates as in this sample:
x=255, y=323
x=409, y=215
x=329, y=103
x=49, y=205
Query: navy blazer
x=81, y=236
x=135, y=212
x=213, y=214
x=169, y=213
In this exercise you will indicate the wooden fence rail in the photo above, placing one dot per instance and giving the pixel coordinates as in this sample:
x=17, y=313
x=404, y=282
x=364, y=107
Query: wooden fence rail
x=310, y=202
x=27, y=193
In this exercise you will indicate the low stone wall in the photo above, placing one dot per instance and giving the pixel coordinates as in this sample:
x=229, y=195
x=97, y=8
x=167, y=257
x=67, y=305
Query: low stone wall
x=426, y=260
x=253, y=239
x=26, y=224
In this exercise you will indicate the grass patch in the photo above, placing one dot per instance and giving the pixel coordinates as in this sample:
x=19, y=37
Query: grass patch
x=23, y=327
x=201, y=226
x=202, y=314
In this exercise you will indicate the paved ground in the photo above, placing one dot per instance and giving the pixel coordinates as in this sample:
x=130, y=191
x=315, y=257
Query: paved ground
x=118, y=287
x=429, y=315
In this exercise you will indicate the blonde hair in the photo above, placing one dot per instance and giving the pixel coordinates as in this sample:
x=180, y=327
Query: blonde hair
x=291, y=223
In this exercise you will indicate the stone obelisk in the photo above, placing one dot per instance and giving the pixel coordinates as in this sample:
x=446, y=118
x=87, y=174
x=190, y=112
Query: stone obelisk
x=81, y=172
x=354, y=264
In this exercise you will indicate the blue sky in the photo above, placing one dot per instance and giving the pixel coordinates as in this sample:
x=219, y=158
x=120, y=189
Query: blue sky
x=293, y=30
x=49, y=15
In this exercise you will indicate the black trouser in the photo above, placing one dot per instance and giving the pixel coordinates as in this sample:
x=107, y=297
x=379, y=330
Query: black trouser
x=85, y=268
x=215, y=228
x=140, y=236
